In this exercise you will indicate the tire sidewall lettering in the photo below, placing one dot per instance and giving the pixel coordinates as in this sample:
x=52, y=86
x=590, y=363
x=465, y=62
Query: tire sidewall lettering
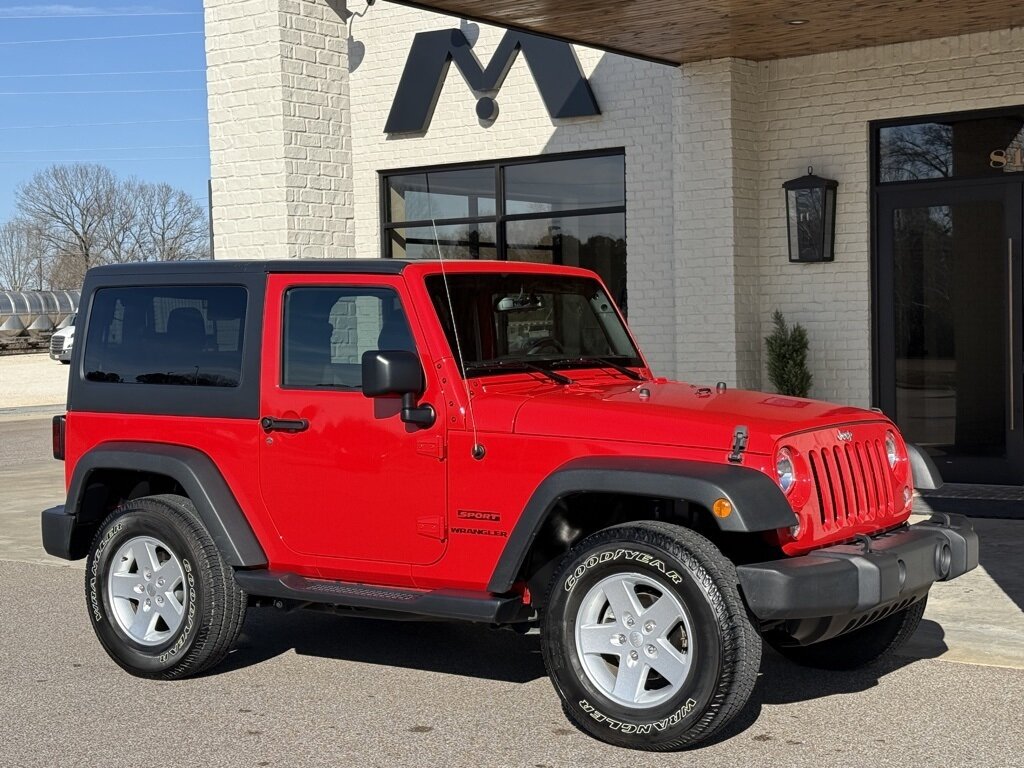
x=135, y=521
x=691, y=581
x=95, y=601
x=639, y=728
x=623, y=554
x=186, y=631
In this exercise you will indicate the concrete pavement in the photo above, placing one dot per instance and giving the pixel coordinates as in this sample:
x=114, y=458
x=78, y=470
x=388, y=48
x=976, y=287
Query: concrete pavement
x=34, y=379
x=307, y=688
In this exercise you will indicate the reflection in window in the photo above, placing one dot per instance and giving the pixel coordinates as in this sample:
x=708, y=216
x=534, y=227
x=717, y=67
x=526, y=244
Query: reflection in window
x=180, y=335
x=950, y=148
x=948, y=275
x=441, y=195
x=596, y=242
x=448, y=241
x=593, y=182
x=511, y=320
x=327, y=330
x=558, y=210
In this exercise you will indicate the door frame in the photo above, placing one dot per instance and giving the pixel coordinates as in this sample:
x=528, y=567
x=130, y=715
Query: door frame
x=1010, y=190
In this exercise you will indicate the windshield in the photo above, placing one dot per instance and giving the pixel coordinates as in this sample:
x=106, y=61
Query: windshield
x=508, y=321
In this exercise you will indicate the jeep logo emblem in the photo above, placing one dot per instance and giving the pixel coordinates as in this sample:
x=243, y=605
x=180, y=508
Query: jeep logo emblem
x=844, y=435
x=553, y=63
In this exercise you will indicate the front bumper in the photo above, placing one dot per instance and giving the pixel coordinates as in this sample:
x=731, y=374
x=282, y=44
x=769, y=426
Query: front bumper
x=863, y=577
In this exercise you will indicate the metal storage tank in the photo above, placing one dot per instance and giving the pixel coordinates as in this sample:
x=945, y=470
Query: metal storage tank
x=35, y=313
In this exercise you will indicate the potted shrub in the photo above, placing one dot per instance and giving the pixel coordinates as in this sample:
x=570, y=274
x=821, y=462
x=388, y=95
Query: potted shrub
x=787, y=358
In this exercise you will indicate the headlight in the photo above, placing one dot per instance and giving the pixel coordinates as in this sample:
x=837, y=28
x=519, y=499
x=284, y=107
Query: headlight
x=891, y=449
x=784, y=470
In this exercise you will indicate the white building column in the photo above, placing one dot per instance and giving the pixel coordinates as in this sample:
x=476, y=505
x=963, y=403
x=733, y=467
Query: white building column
x=716, y=225
x=280, y=129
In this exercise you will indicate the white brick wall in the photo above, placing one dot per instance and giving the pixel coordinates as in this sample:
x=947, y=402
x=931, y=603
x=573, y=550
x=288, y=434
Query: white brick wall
x=280, y=150
x=815, y=110
x=297, y=143
x=715, y=222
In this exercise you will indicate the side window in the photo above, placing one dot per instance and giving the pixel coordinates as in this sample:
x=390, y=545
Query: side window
x=327, y=330
x=179, y=335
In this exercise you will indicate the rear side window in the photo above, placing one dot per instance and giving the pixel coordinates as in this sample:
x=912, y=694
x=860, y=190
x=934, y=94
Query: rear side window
x=327, y=330
x=179, y=335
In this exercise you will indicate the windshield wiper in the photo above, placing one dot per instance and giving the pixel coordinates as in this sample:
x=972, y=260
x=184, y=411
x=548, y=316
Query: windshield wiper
x=605, y=363
x=521, y=364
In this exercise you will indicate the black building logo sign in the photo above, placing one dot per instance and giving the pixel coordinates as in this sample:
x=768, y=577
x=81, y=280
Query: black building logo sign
x=553, y=64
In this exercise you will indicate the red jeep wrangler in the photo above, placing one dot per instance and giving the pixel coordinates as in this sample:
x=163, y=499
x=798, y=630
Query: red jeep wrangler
x=475, y=441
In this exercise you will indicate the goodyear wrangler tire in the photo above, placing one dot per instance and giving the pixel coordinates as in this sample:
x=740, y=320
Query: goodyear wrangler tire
x=160, y=598
x=646, y=639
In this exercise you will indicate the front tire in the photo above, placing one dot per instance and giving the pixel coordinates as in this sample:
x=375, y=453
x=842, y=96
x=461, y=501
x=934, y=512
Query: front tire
x=160, y=597
x=856, y=649
x=646, y=639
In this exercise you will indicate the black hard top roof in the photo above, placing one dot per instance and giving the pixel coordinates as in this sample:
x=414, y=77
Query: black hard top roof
x=250, y=266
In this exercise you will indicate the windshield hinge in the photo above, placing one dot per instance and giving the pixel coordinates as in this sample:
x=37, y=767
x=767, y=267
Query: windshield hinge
x=432, y=446
x=739, y=444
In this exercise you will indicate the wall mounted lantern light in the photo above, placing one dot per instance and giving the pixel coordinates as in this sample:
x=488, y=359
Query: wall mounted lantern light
x=811, y=217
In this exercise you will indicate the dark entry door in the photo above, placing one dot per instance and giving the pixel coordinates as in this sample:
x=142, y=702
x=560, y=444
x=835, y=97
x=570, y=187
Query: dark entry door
x=949, y=300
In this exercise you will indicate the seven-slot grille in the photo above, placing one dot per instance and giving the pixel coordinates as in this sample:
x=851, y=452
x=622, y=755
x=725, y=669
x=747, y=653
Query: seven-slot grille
x=851, y=482
x=56, y=345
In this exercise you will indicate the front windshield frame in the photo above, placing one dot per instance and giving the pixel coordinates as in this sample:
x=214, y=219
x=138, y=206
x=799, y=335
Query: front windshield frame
x=600, y=339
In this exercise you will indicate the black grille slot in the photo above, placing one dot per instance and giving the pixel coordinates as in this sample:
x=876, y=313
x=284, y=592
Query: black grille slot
x=851, y=482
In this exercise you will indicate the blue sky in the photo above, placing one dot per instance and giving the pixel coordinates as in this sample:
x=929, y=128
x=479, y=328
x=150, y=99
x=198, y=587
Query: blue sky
x=167, y=139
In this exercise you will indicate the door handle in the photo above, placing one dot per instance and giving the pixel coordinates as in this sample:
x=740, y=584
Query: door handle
x=272, y=424
x=1011, y=319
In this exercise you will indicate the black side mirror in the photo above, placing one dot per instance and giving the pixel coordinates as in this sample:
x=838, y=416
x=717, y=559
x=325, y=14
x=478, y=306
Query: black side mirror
x=397, y=373
x=391, y=373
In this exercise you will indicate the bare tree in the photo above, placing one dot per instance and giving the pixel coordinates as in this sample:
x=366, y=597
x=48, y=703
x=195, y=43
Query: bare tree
x=68, y=204
x=22, y=256
x=123, y=230
x=175, y=225
x=84, y=216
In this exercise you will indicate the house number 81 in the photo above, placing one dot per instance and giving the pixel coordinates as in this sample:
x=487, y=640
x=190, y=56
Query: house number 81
x=1008, y=159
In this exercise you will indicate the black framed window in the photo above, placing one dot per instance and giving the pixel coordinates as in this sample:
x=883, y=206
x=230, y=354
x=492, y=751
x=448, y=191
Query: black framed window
x=179, y=335
x=984, y=144
x=327, y=329
x=553, y=209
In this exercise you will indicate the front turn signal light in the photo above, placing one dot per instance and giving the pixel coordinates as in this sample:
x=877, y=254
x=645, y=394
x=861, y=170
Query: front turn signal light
x=722, y=508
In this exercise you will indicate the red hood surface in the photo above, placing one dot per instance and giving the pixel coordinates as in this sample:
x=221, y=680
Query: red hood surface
x=677, y=414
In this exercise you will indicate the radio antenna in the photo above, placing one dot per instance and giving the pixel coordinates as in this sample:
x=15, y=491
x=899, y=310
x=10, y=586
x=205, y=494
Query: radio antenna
x=478, y=450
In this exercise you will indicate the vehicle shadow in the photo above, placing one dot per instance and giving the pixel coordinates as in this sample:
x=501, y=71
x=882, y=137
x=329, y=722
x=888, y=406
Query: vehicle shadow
x=449, y=648
x=783, y=682
x=506, y=656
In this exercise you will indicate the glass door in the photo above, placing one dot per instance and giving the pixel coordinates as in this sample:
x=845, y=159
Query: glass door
x=949, y=301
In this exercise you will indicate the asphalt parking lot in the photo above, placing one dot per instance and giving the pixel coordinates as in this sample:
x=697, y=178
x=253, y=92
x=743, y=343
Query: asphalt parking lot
x=316, y=689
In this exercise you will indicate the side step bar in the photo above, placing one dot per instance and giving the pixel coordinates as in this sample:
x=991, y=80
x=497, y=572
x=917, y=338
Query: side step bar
x=439, y=604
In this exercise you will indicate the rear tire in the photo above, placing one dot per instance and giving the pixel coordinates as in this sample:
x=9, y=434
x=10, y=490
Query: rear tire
x=646, y=639
x=859, y=648
x=160, y=597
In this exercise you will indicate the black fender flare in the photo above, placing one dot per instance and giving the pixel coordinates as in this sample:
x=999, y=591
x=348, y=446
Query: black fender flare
x=758, y=503
x=196, y=473
x=923, y=470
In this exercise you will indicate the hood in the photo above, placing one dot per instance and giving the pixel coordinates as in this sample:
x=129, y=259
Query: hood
x=673, y=414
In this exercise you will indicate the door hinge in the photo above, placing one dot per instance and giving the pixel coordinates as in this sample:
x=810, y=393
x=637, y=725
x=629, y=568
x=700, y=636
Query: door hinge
x=431, y=526
x=432, y=446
